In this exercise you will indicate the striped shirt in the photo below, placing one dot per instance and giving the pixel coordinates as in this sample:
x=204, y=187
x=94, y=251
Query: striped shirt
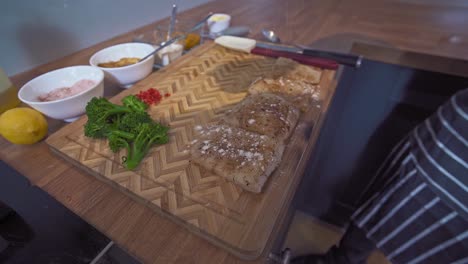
x=439, y=152
x=417, y=212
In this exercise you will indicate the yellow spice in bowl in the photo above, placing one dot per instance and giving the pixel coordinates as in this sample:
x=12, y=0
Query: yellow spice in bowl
x=120, y=63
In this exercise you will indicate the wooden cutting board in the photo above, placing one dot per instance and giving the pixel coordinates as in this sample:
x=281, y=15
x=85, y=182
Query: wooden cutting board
x=203, y=84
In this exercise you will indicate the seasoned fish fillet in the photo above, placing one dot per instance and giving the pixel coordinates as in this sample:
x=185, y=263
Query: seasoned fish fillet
x=243, y=157
x=292, y=70
x=295, y=82
x=298, y=93
x=266, y=114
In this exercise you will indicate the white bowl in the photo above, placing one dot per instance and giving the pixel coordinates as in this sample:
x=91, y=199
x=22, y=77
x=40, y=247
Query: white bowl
x=218, y=22
x=127, y=75
x=69, y=108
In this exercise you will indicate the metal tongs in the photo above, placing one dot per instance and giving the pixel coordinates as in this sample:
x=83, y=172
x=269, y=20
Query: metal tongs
x=177, y=38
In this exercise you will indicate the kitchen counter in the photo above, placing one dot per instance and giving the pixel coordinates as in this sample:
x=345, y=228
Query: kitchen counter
x=431, y=27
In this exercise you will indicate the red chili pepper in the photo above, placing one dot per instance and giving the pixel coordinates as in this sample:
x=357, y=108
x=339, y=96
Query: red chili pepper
x=167, y=95
x=150, y=96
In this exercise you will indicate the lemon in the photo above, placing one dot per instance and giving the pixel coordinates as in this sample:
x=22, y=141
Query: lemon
x=23, y=125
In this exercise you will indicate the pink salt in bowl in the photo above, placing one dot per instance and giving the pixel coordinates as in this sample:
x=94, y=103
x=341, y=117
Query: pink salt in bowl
x=66, y=105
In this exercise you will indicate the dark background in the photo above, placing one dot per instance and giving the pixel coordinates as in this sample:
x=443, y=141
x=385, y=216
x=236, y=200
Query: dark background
x=374, y=107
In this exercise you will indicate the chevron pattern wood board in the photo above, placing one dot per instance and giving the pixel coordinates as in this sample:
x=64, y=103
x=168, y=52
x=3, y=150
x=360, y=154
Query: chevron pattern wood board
x=203, y=85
